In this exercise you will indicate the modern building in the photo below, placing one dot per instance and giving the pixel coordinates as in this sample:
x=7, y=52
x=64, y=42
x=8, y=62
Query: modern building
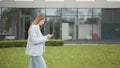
x=67, y=19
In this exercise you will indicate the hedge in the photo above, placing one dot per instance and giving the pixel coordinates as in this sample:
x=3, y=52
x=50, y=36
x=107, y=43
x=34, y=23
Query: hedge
x=23, y=43
x=55, y=43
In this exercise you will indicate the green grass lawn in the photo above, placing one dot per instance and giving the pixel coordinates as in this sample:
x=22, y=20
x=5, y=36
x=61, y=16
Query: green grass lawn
x=79, y=56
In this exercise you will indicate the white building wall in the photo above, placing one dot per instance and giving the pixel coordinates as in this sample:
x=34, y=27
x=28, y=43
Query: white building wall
x=59, y=4
x=65, y=31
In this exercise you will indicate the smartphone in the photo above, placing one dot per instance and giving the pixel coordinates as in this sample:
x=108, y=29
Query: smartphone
x=52, y=34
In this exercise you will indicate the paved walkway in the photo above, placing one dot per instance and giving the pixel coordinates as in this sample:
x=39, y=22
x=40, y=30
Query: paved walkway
x=72, y=42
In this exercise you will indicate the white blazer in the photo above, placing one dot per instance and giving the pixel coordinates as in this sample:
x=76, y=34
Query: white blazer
x=36, y=41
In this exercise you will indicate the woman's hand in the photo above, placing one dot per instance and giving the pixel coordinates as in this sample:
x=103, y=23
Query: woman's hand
x=49, y=36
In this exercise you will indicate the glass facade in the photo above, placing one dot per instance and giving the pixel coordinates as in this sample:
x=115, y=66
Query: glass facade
x=53, y=12
x=66, y=24
x=1, y=24
x=37, y=11
x=23, y=0
x=113, y=0
x=54, y=0
x=88, y=23
x=69, y=24
x=8, y=23
x=86, y=0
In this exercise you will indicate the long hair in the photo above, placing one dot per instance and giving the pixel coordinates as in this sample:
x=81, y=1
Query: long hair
x=39, y=17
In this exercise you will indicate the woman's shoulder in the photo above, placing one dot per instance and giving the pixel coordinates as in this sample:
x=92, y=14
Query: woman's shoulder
x=34, y=26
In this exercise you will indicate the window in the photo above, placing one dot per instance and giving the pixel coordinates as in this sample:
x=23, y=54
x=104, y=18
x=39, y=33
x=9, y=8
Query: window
x=53, y=12
x=0, y=13
x=85, y=11
x=68, y=11
x=54, y=0
x=86, y=0
x=0, y=18
x=6, y=24
x=37, y=11
x=68, y=27
x=113, y=0
x=84, y=19
x=23, y=0
x=96, y=11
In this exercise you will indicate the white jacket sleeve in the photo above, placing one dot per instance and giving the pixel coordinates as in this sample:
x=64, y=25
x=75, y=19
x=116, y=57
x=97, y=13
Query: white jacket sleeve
x=34, y=37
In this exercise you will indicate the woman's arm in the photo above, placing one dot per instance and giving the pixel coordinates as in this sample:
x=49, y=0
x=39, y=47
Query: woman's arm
x=33, y=37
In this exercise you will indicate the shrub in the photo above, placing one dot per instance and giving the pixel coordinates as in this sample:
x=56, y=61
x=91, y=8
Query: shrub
x=23, y=43
x=55, y=43
x=13, y=43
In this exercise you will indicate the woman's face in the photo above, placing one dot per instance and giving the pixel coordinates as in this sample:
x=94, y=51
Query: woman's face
x=42, y=22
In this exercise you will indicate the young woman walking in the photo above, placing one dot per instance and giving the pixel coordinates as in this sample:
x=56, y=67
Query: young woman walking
x=36, y=42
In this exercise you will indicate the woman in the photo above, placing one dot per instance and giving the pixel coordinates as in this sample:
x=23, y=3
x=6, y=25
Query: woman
x=36, y=42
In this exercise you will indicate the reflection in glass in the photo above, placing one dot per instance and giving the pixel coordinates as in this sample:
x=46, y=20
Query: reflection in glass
x=8, y=23
x=37, y=11
x=9, y=12
x=86, y=0
x=0, y=25
x=84, y=27
x=23, y=0
x=114, y=0
x=97, y=19
x=53, y=26
x=89, y=23
x=54, y=0
x=26, y=23
x=96, y=11
x=0, y=13
x=5, y=12
x=27, y=11
x=9, y=26
x=52, y=12
x=68, y=19
x=85, y=19
x=68, y=11
x=85, y=11
x=68, y=27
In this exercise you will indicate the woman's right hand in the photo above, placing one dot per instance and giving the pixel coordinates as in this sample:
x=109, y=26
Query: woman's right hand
x=49, y=36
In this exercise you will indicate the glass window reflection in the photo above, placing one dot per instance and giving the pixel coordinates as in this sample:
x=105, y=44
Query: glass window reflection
x=51, y=12
x=68, y=11
x=113, y=0
x=36, y=11
x=68, y=27
x=0, y=23
x=84, y=19
x=23, y=0
x=86, y=0
x=97, y=18
x=0, y=13
x=8, y=23
x=9, y=12
x=5, y=12
x=54, y=0
x=96, y=11
x=68, y=19
x=27, y=11
x=84, y=11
